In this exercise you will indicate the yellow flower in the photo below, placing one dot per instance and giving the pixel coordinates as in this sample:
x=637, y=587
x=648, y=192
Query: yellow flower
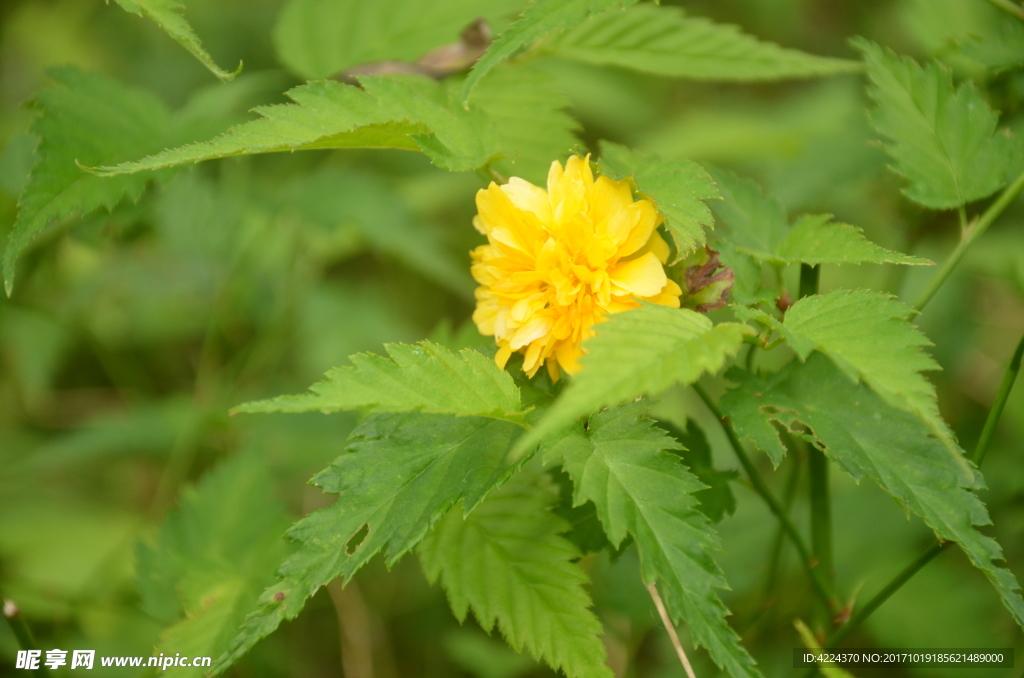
x=558, y=261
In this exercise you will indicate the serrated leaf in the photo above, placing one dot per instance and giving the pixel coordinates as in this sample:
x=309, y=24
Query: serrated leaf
x=212, y=558
x=679, y=188
x=424, y=377
x=664, y=41
x=90, y=119
x=866, y=436
x=869, y=336
x=395, y=111
x=530, y=118
x=320, y=38
x=506, y=562
x=401, y=473
x=758, y=226
x=942, y=139
x=641, y=351
x=816, y=239
x=717, y=498
x=539, y=19
x=622, y=463
x=999, y=51
x=169, y=15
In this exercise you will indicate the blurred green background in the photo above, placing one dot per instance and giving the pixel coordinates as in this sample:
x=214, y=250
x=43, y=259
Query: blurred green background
x=131, y=333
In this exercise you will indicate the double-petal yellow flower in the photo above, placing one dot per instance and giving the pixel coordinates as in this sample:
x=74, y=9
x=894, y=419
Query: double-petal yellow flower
x=559, y=260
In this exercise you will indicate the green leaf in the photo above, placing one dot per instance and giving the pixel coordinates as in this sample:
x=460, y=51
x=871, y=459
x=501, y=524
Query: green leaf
x=539, y=19
x=717, y=498
x=622, y=463
x=999, y=51
x=641, y=351
x=331, y=197
x=90, y=119
x=942, y=139
x=425, y=377
x=401, y=473
x=319, y=38
x=212, y=558
x=529, y=114
x=816, y=239
x=866, y=436
x=663, y=41
x=506, y=562
x=678, y=187
x=395, y=111
x=168, y=15
x=869, y=336
x=757, y=225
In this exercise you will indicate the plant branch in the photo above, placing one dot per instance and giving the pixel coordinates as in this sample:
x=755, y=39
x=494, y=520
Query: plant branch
x=997, y=407
x=671, y=629
x=973, y=232
x=1008, y=6
x=913, y=568
x=20, y=629
x=821, y=586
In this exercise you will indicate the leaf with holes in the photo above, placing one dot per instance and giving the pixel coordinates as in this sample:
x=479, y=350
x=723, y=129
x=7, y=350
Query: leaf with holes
x=507, y=563
x=623, y=464
x=866, y=436
x=401, y=473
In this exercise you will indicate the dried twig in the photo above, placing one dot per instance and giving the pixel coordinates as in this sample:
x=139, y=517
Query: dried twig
x=667, y=621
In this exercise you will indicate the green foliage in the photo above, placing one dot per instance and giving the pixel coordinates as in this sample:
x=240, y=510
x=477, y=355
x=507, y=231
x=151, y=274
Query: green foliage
x=426, y=377
x=320, y=38
x=678, y=188
x=758, y=226
x=866, y=436
x=663, y=41
x=1002, y=51
x=85, y=119
x=507, y=563
x=169, y=15
x=401, y=473
x=397, y=111
x=621, y=462
x=212, y=558
x=942, y=139
x=637, y=352
x=717, y=499
x=870, y=338
x=540, y=18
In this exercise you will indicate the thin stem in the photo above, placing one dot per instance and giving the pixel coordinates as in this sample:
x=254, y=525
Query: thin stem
x=821, y=586
x=973, y=232
x=1010, y=7
x=789, y=494
x=21, y=630
x=979, y=456
x=671, y=629
x=821, y=515
x=997, y=408
x=809, y=279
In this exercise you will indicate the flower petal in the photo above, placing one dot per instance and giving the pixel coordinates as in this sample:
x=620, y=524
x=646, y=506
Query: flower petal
x=643, y=276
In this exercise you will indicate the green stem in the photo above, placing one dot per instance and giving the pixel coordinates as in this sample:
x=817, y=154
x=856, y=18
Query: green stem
x=809, y=278
x=789, y=494
x=20, y=630
x=821, y=586
x=1008, y=6
x=892, y=587
x=997, y=408
x=979, y=456
x=972, y=233
x=821, y=515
